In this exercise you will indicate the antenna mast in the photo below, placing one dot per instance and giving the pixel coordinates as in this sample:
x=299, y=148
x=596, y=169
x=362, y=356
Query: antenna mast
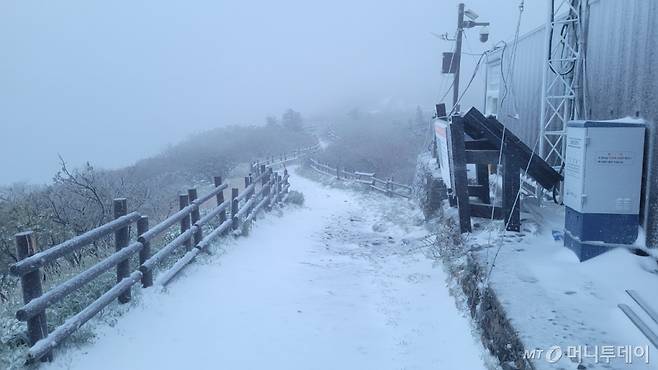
x=563, y=95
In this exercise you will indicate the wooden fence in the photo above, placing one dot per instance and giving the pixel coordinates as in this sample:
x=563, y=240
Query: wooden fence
x=388, y=186
x=264, y=189
x=286, y=157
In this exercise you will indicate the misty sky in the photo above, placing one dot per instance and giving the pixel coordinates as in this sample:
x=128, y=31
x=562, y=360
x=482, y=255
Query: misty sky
x=113, y=81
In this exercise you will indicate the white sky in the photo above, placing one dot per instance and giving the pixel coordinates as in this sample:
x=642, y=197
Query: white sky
x=113, y=81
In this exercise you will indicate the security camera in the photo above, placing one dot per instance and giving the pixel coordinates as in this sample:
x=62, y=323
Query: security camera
x=484, y=34
x=471, y=14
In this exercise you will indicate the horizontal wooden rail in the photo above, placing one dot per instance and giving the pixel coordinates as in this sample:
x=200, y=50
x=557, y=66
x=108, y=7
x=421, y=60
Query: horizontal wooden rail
x=262, y=191
x=44, y=346
x=246, y=192
x=199, y=201
x=383, y=190
x=167, y=250
x=288, y=157
x=245, y=208
x=257, y=208
x=223, y=227
x=38, y=260
x=177, y=267
x=35, y=306
x=214, y=213
x=166, y=224
x=387, y=187
x=401, y=185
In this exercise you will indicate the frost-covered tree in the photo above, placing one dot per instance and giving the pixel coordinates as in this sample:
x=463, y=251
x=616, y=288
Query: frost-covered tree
x=292, y=120
x=271, y=121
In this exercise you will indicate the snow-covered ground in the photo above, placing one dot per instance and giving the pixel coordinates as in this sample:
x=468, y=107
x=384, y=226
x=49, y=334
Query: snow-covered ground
x=340, y=283
x=555, y=300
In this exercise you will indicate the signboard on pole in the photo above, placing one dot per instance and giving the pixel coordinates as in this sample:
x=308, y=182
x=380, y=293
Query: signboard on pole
x=441, y=133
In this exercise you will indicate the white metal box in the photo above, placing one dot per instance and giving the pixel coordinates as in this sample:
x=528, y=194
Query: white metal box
x=603, y=166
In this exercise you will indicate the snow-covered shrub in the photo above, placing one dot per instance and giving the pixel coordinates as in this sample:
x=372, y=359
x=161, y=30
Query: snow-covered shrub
x=428, y=187
x=80, y=199
x=13, y=336
x=296, y=197
x=384, y=142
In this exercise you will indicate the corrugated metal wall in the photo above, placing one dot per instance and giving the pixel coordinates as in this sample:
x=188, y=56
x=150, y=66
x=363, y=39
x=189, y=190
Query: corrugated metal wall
x=622, y=78
x=519, y=109
x=622, y=52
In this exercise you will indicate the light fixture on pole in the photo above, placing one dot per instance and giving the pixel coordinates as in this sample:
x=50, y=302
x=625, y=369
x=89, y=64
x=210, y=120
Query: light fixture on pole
x=454, y=59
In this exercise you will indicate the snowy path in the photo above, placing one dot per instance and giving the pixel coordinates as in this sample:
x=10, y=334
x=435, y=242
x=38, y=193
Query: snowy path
x=337, y=284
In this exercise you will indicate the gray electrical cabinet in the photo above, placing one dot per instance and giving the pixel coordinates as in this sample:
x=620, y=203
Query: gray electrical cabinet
x=602, y=184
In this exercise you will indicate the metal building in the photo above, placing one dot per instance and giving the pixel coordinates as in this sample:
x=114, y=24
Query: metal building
x=621, y=80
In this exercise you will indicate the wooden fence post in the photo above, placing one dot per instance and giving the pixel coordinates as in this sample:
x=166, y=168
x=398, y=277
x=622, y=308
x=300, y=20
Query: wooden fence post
x=268, y=190
x=266, y=195
x=121, y=237
x=275, y=193
x=234, y=208
x=482, y=175
x=263, y=178
x=220, y=199
x=458, y=149
x=511, y=184
x=37, y=326
x=389, y=187
x=195, y=215
x=247, y=183
x=145, y=253
x=184, y=201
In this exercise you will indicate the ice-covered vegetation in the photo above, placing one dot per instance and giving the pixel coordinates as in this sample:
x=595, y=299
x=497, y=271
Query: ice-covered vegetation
x=386, y=143
x=79, y=199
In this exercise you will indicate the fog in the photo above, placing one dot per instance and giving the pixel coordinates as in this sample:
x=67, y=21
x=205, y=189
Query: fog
x=112, y=82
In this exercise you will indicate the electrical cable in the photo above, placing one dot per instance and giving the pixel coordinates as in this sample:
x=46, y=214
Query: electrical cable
x=452, y=59
x=495, y=192
x=475, y=71
x=563, y=36
x=510, y=67
x=509, y=219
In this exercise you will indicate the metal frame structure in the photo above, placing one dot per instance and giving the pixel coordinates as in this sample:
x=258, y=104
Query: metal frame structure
x=563, y=93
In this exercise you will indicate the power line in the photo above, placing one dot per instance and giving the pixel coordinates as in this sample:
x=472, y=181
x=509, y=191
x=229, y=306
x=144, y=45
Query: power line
x=510, y=67
x=475, y=71
x=516, y=199
x=452, y=84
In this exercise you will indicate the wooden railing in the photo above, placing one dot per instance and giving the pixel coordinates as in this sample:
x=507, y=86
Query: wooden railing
x=388, y=186
x=264, y=189
x=286, y=157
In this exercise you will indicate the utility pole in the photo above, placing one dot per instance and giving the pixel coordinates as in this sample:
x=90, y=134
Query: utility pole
x=452, y=61
x=458, y=56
